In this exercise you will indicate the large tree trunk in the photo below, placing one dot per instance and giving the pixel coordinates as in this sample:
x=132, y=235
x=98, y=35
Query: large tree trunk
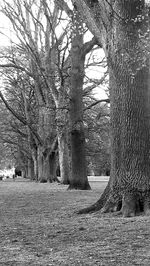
x=78, y=178
x=128, y=62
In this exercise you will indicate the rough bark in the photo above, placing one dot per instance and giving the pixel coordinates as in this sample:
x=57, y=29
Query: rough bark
x=78, y=178
x=127, y=52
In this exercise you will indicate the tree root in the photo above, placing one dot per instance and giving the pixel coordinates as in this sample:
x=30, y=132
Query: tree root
x=99, y=204
x=129, y=203
x=93, y=208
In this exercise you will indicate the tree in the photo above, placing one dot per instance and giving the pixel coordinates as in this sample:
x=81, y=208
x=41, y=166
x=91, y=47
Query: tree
x=74, y=82
x=19, y=127
x=31, y=34
x=78, y=160
x=46, y=62
x=56, y=73
x=6, y=139
x=77, y=178
x=122, y=29
x=36, y=25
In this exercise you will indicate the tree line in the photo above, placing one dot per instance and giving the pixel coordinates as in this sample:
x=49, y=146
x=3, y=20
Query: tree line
x=121, y=29
x=48, y=124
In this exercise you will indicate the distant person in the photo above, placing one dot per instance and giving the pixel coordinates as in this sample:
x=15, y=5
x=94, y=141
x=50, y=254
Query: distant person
x=107, y=172
x=17, y=172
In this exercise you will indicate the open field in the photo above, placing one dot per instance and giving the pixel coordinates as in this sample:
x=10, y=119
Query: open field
x=39, y=226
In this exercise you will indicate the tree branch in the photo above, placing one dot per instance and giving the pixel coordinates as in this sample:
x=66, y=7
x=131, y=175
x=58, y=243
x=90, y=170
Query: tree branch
x=93, y=104
x=63, y=6
x=87, y=47
x=21, y=119
x=16, y=144
x=17, y=67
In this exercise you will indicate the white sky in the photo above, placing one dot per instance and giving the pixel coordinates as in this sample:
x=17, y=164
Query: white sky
x=4, y=28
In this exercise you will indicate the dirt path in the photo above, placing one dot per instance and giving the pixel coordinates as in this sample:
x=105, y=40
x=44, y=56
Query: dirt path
x=39, y=226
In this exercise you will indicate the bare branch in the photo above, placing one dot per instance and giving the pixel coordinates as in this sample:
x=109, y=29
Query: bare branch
x=93, y=104
x=21, y=119
x=63, y=6
x=87, y=47
x=17, y=67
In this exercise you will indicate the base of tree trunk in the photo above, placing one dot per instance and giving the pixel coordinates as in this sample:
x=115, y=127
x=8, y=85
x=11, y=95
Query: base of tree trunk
x=43, y=181
x=85, y=186
x=128, y=203
x=65, y=182
x=50, y=180
x=55, y=179
x=99, y=204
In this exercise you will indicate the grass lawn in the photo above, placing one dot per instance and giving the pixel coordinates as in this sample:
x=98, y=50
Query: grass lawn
x=39, y=226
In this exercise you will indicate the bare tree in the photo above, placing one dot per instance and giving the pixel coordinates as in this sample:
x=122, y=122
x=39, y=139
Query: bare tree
x=47, y=62
x=25, y=18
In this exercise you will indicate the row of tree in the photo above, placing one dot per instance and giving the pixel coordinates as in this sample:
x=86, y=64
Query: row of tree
x=55, y=73
x=52, y=121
